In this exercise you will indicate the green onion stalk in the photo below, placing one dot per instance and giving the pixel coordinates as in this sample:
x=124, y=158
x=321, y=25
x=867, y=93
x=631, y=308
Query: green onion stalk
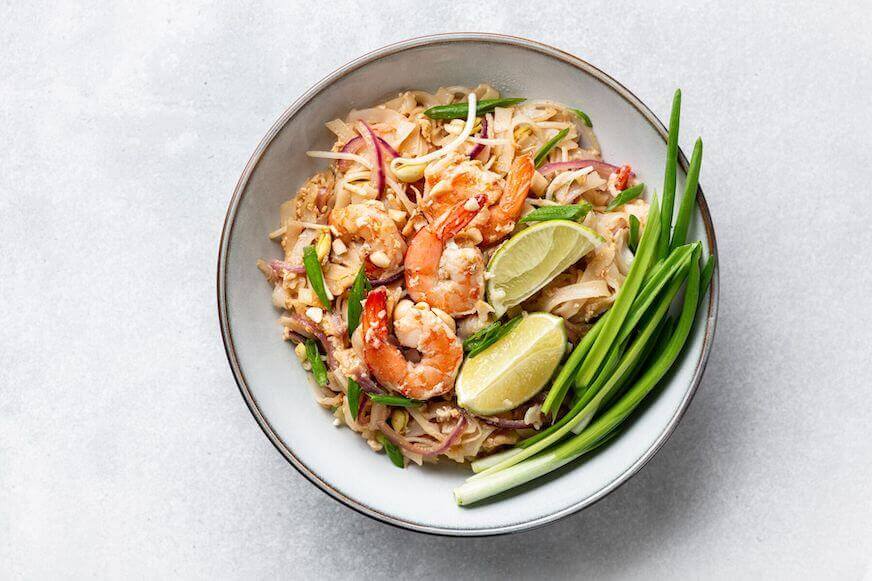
x=486, y=484
x=669, y=176
x=583, y=411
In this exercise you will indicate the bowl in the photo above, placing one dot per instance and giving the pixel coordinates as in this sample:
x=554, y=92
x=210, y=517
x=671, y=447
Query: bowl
x=278, y=391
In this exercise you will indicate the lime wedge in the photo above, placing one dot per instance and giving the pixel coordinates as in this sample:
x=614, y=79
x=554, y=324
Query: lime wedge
x=513, y=369
x=532, y=258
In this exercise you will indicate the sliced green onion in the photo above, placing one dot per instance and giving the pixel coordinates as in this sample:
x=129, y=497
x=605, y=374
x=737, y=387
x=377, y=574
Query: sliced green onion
x=315, y=276
x=353, y=396
x=473, y=340
x=669, y=176
x=572, y=212
x=476, y=343
x=583, y=116
x=356, y=295
x=682, y=222
x=394, y=400
x=392, y=451
x=633, y=240
x=625, y=196
x=461, y=110
x=318, y=369
x=549, y=145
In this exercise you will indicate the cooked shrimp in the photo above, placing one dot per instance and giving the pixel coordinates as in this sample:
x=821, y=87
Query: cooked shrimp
x=416, y=327
x=505, y=213
x=454, y=180
x=441, y=273
x=370, y=223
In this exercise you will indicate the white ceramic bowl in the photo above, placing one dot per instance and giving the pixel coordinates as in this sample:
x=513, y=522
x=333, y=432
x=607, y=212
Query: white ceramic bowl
x=276, y=388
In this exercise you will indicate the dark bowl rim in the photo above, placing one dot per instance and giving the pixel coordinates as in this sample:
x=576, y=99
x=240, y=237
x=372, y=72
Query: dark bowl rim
x=227, y=335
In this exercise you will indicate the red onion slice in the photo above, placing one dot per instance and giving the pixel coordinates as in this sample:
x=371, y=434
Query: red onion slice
x=367, y=384
x=357, y=144
x=602, y=168
x=402, y=442
x=386, y=147
x=310, y=328
x=353, y=146
x=479, y=147
x=388, y=279
x=280, y=265
x=375, y=155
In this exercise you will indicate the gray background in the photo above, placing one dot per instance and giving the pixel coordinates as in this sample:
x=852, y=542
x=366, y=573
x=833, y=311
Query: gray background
x=125, y=448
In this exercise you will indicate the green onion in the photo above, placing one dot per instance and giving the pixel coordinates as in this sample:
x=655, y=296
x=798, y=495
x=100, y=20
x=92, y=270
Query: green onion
x=392, y=451
x=651, y=351
x=560, y=385
x=394, y=400
x=484, y=338
x=682, y=222
x=480, y=486
x=669, y=176
x=353, y=396
x=659, y=275
x=583, y=411
x=356, y=295
x=624, y=301
x=633, y=240
x=674, y=265
x=625, y=196
x=318, y=369
x=461, y=110
x=583, y=116
x=549, y=145
x=664, y=272
x=572, y=212
x=473, y=340
x=316, y=277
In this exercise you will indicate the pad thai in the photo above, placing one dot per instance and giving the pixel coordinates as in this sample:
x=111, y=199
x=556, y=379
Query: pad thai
x=383, y=283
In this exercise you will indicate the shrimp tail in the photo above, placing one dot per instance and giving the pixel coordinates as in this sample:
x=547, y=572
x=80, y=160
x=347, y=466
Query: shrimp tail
x=375, y=316
x=457, y=218
x=518, y=185
x=505, y=213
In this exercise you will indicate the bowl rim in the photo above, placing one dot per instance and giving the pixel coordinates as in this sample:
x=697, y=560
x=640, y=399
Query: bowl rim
x=230, y=220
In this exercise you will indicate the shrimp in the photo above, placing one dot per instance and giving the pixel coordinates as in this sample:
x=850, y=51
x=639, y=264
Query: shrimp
x=451, y=181
x=441, y=273
x=455, y=179
x=505, y=213
x=416, y=327
x=368, y=221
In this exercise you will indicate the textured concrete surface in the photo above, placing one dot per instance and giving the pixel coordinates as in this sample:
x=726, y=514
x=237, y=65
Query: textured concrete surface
x=125, y=448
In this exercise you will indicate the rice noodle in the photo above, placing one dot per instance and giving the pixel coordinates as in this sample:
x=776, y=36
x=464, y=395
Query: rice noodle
x=467, y=131
x=339, y=155
x=405, y=444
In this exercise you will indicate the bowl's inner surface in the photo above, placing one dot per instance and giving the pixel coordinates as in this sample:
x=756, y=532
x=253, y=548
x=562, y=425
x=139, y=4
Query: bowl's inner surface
x=339, y=458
